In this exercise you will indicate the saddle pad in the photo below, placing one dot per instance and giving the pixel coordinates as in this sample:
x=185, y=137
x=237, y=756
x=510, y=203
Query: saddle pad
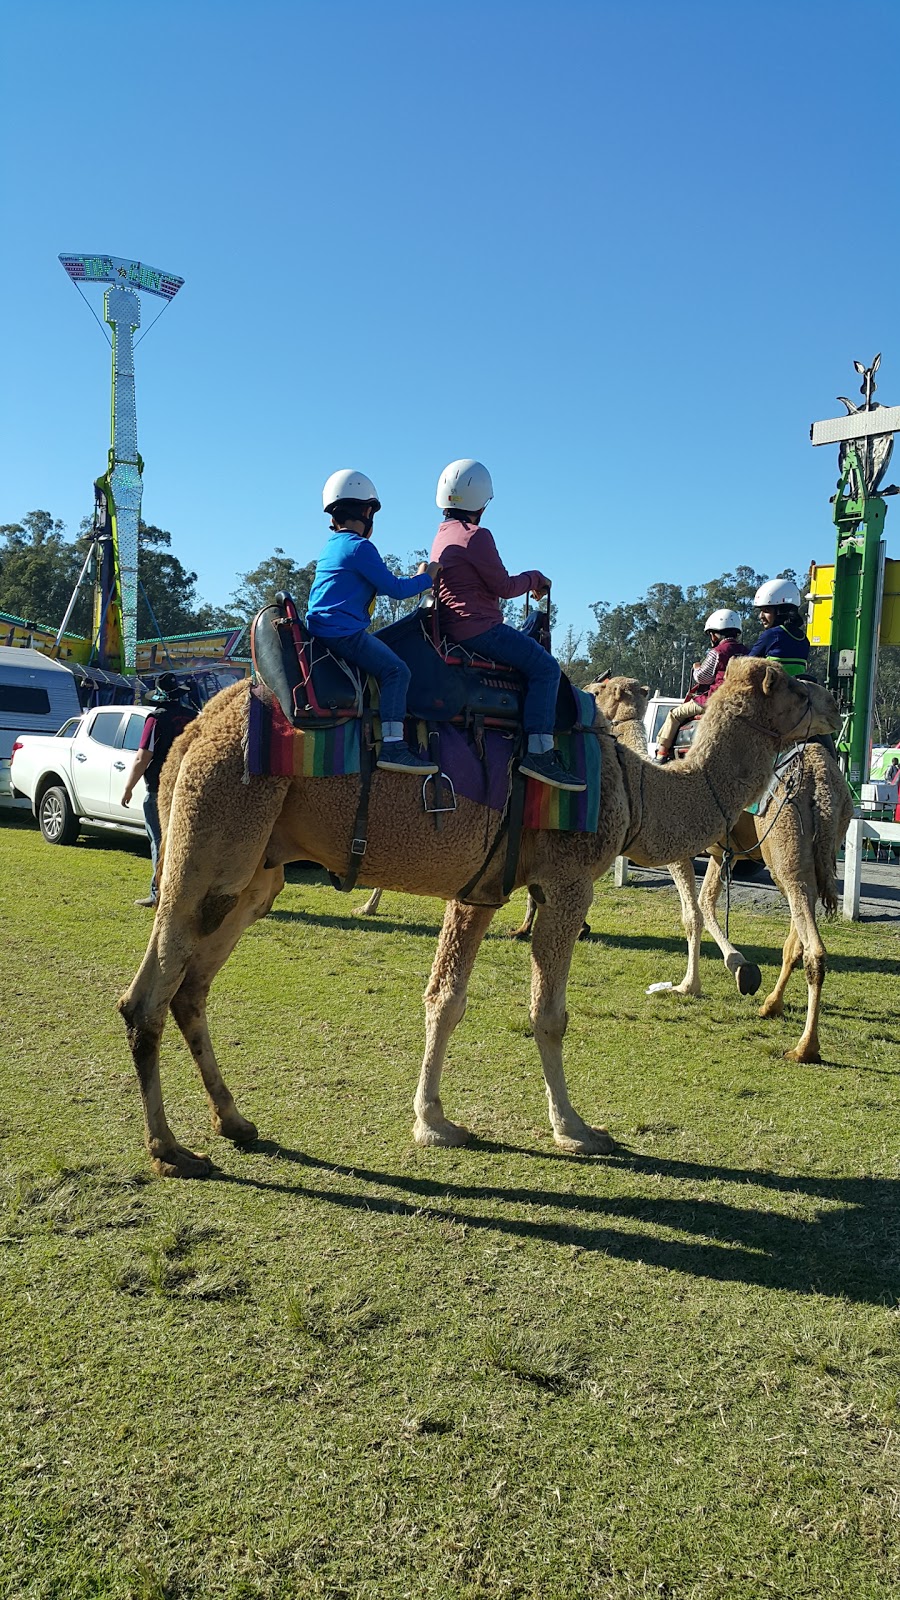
x=784, y=773
x=276, y=749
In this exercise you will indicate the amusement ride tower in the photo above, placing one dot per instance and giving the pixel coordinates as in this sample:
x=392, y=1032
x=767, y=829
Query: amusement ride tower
x=117, y=494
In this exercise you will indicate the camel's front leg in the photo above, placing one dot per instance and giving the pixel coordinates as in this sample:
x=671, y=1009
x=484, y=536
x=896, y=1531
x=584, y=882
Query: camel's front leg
x=445, y=1005
x=371, y=906
x=555, y=931
x=791, y=956
x=523, y=931
x=746, y=973
x=189, y=1003
x=686, y=884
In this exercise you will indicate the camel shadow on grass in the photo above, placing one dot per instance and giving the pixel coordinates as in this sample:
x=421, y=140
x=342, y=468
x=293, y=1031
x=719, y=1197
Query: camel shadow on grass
x=849, y=1249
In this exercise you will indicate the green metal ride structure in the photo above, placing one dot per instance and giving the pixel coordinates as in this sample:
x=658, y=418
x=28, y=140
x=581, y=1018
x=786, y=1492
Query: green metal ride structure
x=858, y=618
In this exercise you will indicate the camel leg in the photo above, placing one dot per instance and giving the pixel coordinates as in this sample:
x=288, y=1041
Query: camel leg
x=801, y=898
x=524, y=929
x=188, y=1004
x=201, y=889
x=555, y=932
x=463, y=929
x=371, y=906
x=746, y=973
x=791, y=957
x=686, y=884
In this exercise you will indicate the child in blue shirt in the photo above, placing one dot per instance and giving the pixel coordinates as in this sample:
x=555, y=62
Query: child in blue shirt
x=783, y=638
x=349, y=575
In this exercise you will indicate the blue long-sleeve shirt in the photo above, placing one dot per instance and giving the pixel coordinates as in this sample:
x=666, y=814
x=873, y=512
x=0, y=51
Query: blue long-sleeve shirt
x=349, y=575
x=784, y=645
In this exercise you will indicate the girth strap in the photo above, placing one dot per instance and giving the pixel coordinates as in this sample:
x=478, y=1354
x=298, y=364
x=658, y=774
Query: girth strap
x=361, y=821
x=510, y=828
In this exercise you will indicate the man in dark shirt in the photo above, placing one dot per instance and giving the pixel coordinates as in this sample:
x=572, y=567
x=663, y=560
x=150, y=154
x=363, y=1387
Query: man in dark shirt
x=168, y=719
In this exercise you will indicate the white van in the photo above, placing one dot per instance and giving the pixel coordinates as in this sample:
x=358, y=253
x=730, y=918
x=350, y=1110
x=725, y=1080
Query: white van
x=37, y=695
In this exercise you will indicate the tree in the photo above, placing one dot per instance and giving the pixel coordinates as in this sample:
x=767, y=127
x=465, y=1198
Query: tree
x=259, y=587
x=886, y=709
x=39, y=568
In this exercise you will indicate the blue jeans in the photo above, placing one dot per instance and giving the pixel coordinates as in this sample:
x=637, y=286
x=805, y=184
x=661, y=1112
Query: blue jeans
x=392, y=674
x=515, y=649
x=154, y=834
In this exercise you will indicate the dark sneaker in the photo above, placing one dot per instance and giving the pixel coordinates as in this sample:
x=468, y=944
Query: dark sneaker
x=397, y=757
x=148, y=901
x=663, y=756
x=547, y=768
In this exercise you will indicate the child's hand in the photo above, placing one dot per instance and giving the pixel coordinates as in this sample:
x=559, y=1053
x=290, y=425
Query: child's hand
x=541, y=587
x=431, y=567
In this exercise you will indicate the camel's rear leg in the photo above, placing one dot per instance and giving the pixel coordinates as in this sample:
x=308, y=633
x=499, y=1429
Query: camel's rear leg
x=463, y=929
x=555, y=932
x=371, y=906
x=803, y=941
x=746, y=973
x=189, y=1002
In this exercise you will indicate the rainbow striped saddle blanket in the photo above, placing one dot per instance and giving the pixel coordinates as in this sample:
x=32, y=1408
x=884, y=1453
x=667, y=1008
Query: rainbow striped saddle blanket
x=479, y=761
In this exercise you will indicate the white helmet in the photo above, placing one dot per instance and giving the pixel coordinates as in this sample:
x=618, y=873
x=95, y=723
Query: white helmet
x=349, y=485
x=464, y=486
x=721, y=621
x=777, y=592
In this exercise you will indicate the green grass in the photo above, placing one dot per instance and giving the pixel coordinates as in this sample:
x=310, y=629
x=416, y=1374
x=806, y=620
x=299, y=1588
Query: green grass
x=349, y=1367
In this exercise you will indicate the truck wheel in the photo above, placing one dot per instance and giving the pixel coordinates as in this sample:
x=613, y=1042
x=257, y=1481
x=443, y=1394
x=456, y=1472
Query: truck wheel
x=58, y=822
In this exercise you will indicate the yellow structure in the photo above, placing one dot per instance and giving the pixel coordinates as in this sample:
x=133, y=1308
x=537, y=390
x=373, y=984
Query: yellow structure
x=821, y=590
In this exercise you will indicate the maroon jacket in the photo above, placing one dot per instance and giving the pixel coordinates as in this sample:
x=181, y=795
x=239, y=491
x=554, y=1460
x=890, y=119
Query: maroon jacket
x=711, y=670
x=473, y=579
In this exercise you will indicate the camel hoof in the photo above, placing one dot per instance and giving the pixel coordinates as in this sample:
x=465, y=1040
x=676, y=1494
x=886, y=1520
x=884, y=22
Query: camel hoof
x=748, y=977
x=591, y=1142
x=808, y=1058
x=771, y=1008
x=442, y=1135
x=240, y=1130
x=687, y=988
x=177, y=1162
x=585, y=931
x=521, y=934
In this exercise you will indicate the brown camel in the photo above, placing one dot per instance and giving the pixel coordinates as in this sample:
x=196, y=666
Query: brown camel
x=227, y=839
x=798, y=838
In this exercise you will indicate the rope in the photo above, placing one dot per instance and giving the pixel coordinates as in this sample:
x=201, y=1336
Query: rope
x=152, y=324
x=100, y=325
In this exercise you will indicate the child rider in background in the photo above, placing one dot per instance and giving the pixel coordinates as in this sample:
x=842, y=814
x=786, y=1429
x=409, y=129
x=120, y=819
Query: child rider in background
x=723, y=629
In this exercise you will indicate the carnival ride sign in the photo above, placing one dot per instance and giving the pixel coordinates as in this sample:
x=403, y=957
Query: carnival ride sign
x=127, y=274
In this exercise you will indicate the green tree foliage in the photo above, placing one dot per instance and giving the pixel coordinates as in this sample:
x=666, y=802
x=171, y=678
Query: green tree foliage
x=39, y=568
x=886, y=710
x=259, y=587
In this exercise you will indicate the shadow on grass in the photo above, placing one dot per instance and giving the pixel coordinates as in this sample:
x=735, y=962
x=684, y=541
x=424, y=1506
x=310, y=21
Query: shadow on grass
x=850, y=1249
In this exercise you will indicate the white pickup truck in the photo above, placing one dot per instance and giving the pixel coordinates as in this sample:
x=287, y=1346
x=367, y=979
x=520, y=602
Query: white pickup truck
x=75, y=778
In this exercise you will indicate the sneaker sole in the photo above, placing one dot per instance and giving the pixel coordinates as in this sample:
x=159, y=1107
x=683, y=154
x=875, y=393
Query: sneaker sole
x=551, y=783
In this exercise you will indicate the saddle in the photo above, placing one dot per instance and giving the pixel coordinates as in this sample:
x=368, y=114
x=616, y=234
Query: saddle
x=317, y=689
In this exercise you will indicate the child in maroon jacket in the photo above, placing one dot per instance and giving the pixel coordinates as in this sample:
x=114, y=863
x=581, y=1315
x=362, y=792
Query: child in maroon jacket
x=724, y=631
x=473, y=581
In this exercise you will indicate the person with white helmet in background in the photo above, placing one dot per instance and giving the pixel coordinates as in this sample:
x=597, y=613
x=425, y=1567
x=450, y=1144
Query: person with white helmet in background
x=349, y=575
x=783, y=638
x=723, y=629
x=473, y=581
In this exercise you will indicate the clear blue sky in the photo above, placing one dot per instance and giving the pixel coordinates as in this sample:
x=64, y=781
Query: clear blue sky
x=623, y=253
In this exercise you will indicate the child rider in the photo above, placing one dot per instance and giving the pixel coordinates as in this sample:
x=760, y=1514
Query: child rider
x=784, y=634
x=723, y=629
x=349, y=575
x=473, y=581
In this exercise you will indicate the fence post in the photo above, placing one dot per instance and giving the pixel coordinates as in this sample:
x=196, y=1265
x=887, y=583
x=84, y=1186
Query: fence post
x=620, y=872
x=853, y=868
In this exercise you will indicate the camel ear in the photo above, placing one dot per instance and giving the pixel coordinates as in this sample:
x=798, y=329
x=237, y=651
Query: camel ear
x=773, y=677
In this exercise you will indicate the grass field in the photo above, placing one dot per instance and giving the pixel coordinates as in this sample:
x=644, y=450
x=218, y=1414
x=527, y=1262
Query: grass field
x=346, y=1367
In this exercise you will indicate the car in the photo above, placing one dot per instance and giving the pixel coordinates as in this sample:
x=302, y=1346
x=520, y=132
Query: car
x=74, y=779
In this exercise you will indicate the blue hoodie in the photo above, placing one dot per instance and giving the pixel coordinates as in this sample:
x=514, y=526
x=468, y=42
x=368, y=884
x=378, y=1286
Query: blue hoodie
x=349, y=575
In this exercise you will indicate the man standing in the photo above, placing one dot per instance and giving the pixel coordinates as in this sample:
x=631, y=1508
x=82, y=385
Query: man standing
x=169, y=717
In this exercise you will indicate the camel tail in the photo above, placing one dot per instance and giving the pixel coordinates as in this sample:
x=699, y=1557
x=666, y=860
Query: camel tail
x=830, y=821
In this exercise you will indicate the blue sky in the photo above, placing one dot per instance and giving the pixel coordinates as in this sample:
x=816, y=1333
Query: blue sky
x=624, y=254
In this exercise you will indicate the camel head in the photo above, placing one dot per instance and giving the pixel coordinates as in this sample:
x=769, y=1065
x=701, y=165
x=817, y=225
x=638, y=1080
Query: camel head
x=789, y=707
x=620, y=699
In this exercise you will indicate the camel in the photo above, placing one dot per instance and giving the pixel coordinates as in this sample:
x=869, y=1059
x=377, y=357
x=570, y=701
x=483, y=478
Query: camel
x=226, y=841
x=798, y=840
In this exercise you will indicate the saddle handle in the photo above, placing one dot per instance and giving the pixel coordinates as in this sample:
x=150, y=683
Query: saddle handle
x=544, y=632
